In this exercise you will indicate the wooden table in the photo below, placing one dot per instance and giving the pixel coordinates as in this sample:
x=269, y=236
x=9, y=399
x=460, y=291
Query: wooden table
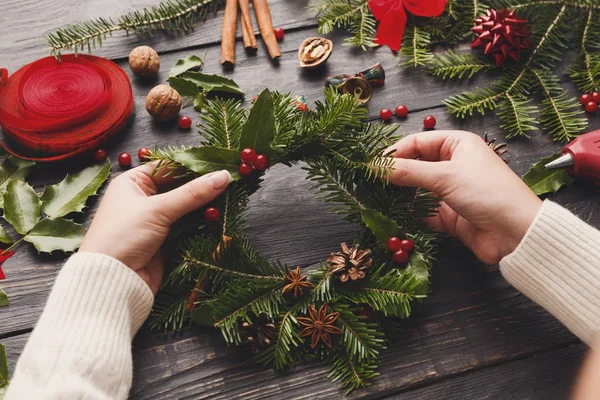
x=473, y=337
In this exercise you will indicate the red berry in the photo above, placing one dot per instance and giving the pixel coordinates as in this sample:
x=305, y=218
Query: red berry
x=591, y=107
x=393, y=244
x=254, y=98
x=385, y=114
x=279, y=33
x=429, y=122
x=596, y=97
x=185, y=122
x=100, y=155
x=401, y=111
x=248, y=155
x=212, y=214
x=585, y=98
x=245, y=169
x=144, y=154
x=261, y=162
x=401, y=257
x=124, y=160
x=407, y=245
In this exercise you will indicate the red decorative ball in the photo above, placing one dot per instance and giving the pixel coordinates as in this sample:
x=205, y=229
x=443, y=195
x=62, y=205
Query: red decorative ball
x=261, y=162
x=125, y=160
x=596, y=97
x=401, y=111
x=400, y=257
x=279, y=33
x=144, y=154
x=585, y=98
x=100, y=155
x=212, y=214
x=429, y=122
x=407, y=245
x=393, y=244
x=185, y=122
x=248, y=155
x=591, y=107
x=385, y=114
x=245, y=169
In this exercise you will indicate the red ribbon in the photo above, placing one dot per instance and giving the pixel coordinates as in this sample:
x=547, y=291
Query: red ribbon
x=391, y=15
x=4, y=255
x=51, y=110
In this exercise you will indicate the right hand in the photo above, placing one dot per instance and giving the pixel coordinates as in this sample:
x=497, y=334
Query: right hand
x=484, y=203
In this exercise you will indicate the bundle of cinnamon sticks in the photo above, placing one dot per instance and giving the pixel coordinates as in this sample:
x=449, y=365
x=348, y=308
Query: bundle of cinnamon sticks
x=265, y=25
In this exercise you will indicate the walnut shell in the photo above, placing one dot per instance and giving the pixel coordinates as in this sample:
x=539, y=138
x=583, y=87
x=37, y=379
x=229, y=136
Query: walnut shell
x=163, y=103
x=144, y=62
x=314, y=51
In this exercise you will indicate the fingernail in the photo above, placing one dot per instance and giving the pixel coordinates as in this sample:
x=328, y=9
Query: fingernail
x=220, y=179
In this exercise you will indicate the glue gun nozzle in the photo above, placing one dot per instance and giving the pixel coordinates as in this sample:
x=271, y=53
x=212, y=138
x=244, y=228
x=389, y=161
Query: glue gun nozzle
x=562, y=162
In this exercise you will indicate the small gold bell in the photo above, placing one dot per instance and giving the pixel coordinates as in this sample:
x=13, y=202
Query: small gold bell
x=358, y=87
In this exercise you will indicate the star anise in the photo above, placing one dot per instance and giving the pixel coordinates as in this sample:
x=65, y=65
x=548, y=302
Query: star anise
x=320, y=325
x=350, y=263
x=295, y=282
x=259, y=331
x=499, y=148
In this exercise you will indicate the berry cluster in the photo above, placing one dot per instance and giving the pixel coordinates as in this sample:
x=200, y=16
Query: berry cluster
x=402, y=112
x=252, y=161
x=590, y=101
x=124, y=158
x=400, y=248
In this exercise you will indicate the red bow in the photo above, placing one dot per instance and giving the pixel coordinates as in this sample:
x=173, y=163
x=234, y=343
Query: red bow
x=392, y=17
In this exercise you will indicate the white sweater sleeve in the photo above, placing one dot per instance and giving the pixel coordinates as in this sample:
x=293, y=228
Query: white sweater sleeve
x=81, y=346
x=557, y=265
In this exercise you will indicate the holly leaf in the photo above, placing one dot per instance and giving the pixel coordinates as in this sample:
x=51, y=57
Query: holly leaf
x=259, y=130
x=211, y=82
x=12, y=168
x=382, y=227
x=71, y=194
x=204, y=160
x=184, y=87
x=185, y=64
x=3, y=303
x=418, y=266
x=55, y=234
x=22, y=206
x=4, y=236
x=3, y=368
x=542, y=181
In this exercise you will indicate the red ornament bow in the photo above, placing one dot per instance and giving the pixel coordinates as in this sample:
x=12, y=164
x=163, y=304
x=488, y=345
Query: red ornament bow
x=392, y=17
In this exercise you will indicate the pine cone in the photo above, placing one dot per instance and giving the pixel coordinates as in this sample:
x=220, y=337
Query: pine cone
x=350, y=263
x=260, y=332
x=499, y=148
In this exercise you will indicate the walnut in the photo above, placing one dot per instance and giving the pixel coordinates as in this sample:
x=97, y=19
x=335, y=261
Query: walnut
x=144, y=62
x=314, y=51
x=163, y=103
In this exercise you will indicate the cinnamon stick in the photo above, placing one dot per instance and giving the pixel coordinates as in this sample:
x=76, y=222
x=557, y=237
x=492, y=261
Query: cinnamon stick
x=228, y=34
x=265, y=24
x=247, y=29
x=193, y=297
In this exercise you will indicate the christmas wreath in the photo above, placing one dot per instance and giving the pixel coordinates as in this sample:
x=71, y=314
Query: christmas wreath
x=339, y=312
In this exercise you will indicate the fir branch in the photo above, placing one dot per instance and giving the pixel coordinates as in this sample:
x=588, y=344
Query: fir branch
x=416, y=46
x=354, y=15
x=168, y=312
x=351, y=374
x=516, y=115
x=453, y=65
x=361, y=339
x=223, y=121
x=466, y=103
x=211, y=269
x=586, y=70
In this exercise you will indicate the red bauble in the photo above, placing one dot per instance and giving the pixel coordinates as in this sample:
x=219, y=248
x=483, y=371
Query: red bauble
x=596, y=97
x=401, y=257
x=248, y=155
x=144, y=154
x=401, y=111
x=212, y=214
x=385, y=114
x=502, y=34
x=279, y=33
x=585, y=98
x=261, y=162
x=245, y=169
x=185, y=122
x=429, y=122
x=125, y=160
x=100, y=155
x=393, y=244
x=407, y=245
x=591, y=107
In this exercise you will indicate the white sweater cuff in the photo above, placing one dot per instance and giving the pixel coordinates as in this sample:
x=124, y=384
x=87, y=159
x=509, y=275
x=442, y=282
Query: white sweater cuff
x=557, y=265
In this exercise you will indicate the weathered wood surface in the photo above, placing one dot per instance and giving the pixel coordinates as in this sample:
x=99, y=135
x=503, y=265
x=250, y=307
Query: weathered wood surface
x=473, y=337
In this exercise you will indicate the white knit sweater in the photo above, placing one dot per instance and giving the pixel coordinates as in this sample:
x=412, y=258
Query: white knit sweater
x=81, y=346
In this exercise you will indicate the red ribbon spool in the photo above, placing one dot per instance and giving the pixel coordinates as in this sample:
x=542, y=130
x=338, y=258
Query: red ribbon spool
x=51, y=110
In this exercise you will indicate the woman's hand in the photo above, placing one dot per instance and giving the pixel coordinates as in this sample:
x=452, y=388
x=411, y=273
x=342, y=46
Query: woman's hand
x=484, y=204
x=133, y=221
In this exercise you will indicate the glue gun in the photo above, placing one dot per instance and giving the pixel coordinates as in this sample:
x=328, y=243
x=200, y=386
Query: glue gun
x=581, y=157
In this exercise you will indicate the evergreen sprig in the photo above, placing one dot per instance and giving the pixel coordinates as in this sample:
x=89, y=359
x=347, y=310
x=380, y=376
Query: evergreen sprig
x=351, y=14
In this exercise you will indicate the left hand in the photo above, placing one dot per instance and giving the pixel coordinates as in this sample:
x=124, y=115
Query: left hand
x=133, y=221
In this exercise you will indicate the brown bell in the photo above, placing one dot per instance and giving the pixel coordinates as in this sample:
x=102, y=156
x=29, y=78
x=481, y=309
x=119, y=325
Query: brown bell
x=358, y=87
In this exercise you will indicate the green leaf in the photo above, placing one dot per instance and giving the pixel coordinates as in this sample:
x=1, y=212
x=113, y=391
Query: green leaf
x=4, y=236
x=185, y=64
x=3, y=300
x=55, y=234
x=541, y=181
x=259, y=130
x=22, y=206
x=419, y=267
x=184, y=87
x=71, y=194
x=199, y=102
x=3, y=367
x=211, y=82
x=382, y=227
x=10, y=169
x=204, y=160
